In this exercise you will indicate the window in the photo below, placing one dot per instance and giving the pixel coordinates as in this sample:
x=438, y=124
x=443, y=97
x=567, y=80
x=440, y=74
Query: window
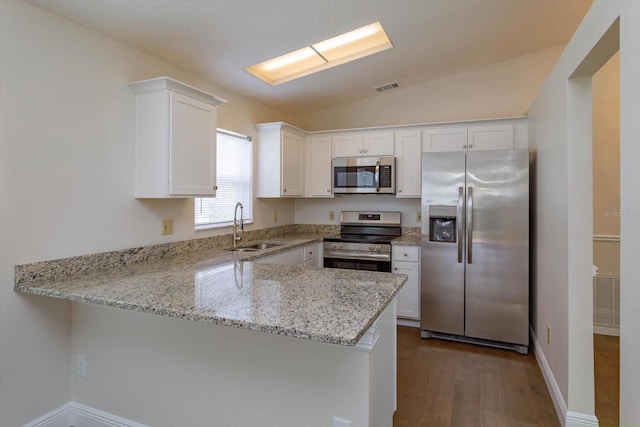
x=234, y=161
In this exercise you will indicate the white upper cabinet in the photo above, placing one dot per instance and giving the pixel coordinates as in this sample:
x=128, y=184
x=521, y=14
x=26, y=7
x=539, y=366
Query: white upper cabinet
x=378, y=144
x=318, y=166
x=472, y=138
x=363, y=144
x=175, y=140
x=490, y=137
x=280, y=160
x=444, y=139
x=347, y=145
x=408, y=163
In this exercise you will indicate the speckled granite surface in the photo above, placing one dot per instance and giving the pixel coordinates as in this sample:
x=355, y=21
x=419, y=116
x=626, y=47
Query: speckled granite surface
x=225, y=288
x=407, y=240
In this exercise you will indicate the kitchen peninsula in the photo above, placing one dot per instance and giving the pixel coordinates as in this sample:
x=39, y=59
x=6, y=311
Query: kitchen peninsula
x=303, y=345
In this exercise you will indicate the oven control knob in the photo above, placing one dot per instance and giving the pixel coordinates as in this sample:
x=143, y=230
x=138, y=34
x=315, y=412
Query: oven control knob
x=374, y=247
x=336, y=246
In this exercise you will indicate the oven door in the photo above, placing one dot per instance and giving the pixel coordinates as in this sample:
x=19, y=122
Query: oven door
x=360, y=261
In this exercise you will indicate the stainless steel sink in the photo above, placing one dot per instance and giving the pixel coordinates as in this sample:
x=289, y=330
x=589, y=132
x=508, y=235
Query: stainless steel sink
x=240, y=249
x=264, y=245
x=255, y=247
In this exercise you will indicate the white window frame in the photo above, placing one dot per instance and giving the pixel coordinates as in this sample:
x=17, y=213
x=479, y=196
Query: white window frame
x=247, y=203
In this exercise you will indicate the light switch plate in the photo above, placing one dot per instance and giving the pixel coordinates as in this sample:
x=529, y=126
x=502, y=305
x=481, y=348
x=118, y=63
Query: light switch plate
x=167, y=226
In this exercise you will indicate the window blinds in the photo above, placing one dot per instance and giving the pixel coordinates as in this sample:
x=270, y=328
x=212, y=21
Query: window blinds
x=234, y=163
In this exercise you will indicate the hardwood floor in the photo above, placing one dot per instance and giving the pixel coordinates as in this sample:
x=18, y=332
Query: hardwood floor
x=606, y=358
x=442, y=384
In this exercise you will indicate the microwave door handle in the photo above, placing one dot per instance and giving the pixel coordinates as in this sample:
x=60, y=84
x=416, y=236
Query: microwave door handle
x=377, y=176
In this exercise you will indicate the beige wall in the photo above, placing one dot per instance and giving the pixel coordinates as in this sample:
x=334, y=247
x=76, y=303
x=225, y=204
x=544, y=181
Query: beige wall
x=66, y=182
x=560, y=135
x=606, y=166
x=504, y=89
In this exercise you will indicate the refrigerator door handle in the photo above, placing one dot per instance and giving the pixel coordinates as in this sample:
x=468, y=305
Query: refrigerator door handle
x=469, y=225
x=459, y=221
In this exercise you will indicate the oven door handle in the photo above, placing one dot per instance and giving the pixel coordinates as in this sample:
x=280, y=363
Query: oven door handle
x=357, y=255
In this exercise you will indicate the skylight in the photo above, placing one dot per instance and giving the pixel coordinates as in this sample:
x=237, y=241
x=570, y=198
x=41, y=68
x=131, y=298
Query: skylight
x=341, y=49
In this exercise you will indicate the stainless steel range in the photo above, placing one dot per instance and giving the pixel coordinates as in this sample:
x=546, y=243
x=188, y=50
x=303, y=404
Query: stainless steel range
x=364, y=242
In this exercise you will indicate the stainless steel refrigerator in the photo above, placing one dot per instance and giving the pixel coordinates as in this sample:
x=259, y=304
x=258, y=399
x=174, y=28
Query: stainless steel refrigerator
x=475, y=247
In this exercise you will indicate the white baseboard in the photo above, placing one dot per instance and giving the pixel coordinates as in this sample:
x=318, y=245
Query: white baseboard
x=552, y=385
x=408, y=322
x=59, y=417
x=575, y=419
x=75, y=414
x=606, y=330
x=567, y=418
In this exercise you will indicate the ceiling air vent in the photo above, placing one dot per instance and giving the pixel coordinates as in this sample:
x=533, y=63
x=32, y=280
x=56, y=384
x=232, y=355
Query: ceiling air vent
x=387, y=86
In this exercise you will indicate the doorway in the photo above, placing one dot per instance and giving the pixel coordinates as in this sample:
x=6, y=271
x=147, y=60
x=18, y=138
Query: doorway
x=606, y=239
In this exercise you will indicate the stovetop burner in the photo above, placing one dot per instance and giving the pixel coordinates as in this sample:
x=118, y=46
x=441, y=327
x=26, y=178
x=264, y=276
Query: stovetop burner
x=368, y=227
x=359, y=238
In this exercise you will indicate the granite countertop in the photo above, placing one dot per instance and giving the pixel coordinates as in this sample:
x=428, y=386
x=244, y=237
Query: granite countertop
x=407, y=241
x=230, y=289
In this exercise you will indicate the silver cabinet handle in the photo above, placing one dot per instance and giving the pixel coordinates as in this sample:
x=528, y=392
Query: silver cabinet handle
x=469, y=225
x=405, y=254
x=377, y=177
x=459, y=217
x=470, y=145
x=328, y=190
x=464, y=146
x=215, y=187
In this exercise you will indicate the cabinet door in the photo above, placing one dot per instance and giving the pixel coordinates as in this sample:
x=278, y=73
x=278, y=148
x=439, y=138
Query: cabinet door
x=378, y=144
x=491, y=137
x=292, y=257
x=408, y=300
x=319, y=166
x=444, y=139
x=312, y=255
x=347, y=145
x=192, y=160
x=292, y=159
x=408, y=157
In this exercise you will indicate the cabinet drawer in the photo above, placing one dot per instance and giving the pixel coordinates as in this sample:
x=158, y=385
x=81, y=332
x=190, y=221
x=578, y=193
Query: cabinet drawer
x=406, y=253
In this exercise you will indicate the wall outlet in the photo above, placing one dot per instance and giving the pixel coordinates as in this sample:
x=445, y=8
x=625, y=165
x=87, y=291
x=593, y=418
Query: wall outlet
x=167, y=226
x=548, y=334
x=81, y=365
x=419, y=217
x=275, y=216
x=332, y=215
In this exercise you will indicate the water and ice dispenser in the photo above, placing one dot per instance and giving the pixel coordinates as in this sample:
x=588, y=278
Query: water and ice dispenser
x=442, y=223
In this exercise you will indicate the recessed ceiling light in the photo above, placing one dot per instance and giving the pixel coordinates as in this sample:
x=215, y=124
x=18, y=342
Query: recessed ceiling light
x=346, y=47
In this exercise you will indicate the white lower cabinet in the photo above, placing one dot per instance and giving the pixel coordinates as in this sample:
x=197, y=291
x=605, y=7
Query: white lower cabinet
x=308, y=256
x=406, y=260
x=312, y=256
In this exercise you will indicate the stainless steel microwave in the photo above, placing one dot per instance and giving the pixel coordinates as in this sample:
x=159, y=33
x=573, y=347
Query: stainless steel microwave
x=364, y=175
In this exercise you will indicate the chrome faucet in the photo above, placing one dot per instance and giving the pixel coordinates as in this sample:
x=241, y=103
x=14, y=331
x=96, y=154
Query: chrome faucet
x=237, y=236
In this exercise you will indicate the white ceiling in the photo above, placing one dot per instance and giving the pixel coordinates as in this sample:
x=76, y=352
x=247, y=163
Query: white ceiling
x=217, y=39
